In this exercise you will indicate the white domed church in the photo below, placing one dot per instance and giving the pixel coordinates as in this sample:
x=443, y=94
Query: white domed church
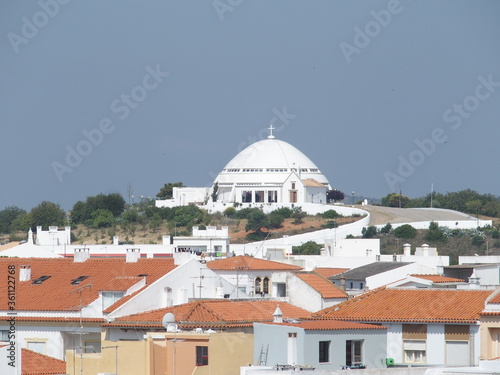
x=267, y=172
x=271, y=171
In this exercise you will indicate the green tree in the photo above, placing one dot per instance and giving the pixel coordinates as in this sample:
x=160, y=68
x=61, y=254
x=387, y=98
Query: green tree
x=275, y=220
x=369, y=232
x=435, y=233
x=22, y=222
x=82, y=211
x=167, y=190
x=334, y=196
x=257, y=220
x=187, y=215
x=7, y=216
x=102, y=218
x=386, y=229
x=230, y=212
x=405, y=231
x=395, y=200
x=308, y=248
x=298, y=215
x=47, y=214
x=215, y=191
x=330, y=214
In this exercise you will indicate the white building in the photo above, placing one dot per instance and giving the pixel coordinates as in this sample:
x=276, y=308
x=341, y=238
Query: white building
x=268, y=172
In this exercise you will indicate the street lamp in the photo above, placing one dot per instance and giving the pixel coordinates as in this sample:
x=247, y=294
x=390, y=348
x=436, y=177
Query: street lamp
x=353, y=197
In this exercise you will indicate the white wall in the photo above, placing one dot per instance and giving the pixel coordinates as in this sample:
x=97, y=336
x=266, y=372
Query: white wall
x=436, y=347
x=384, y=278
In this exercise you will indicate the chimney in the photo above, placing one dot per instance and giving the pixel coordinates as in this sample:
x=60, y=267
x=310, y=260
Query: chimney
x=81, y=255
x=116, y=240
x=342, y=283
x=474, y=280
x=440, y=267
x=407, y=249
x=425, y=250
x=133, y=255
x=30, y=237
x=278, y=315
x=166, y=240
x=24, y=273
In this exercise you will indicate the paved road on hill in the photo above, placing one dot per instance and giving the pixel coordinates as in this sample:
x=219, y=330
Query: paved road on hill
x=383, y=215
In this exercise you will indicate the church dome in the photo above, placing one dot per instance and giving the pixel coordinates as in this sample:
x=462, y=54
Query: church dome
x=269, y=161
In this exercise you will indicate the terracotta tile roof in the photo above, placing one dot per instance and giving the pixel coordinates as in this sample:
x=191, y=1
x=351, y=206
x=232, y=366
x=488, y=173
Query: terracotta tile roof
x=323, y=325
x=249, y=263
x=53, y=319
x=220, y=313
x=411, y=305
x=312, y=182
x=325, y=287
x=439, y=279
x=328, y=272
x=34, y=363
x=59, y=292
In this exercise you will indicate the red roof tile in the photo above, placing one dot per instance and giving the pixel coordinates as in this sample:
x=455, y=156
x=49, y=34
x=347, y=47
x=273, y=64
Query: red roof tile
x=439, y=279
x=33, y=363
x=249, y=263
x=327, y=272
x=323, y=325
x=57, y=293
x=214, y=313
x=325, y=287
x=411, y=305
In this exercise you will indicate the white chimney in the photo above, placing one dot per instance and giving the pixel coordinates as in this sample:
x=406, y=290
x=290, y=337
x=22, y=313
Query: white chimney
x=407, y=249
x=278, y=315
x=81, y=255
x=24, y=273
x=30, y=237
x=166, y=240
x=133, y=255
x=116, y=240
x=425, y=250
x=474, y=280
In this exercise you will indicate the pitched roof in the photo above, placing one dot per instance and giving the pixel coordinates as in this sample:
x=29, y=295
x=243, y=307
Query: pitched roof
x=34, y=363
x=411, y=305
x=60, y=291
x=324, y=324
x=325, y=287
x=327, y=272
x=312, y=182
x=220, y=313
x=439, y=279
x=362, y=272
x=249, y=263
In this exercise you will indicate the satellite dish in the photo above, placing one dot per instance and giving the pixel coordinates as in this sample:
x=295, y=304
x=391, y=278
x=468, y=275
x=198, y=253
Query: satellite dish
x=167, y=320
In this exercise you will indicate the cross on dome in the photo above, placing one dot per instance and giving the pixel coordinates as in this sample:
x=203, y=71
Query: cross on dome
x=271, y=128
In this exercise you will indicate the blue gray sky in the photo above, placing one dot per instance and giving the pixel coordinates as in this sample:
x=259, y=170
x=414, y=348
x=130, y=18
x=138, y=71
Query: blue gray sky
x=381, y=95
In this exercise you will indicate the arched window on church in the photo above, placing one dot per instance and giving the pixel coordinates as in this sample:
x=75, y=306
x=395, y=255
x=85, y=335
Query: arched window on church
x=265, y=285
x=258, y=282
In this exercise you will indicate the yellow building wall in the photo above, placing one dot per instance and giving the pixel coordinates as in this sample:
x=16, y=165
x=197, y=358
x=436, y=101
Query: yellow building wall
x=490, y=337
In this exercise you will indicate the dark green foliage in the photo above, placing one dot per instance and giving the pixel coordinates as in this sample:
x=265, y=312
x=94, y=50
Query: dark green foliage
x=246, y=212
x=298, y=215
x=330, y=224
x=102, y=219
x=187, y=215
x=330, y=214
x=405, y=231
x=82, y=211
x=434, y=233
x=369, y=232
x=386, y=229
x=47, y=214
x=477, y=240
x=284, y=211
x=308, y=248
x=215, y=191
x=275, y=220
x=230, y=212
x=7, y=216
x=167, y=190
x=395, y=200
x=334, y=196
x=256, y=221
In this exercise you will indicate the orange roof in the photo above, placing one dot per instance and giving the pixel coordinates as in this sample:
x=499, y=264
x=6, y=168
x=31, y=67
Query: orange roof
x=312, y=182
x=411, y=305
x=323, y=325
x=242, y=262
x=63, y=289
x=325, y=287
x=327, y=272
x=214, y=313
x=439, y=279
x=34, y=363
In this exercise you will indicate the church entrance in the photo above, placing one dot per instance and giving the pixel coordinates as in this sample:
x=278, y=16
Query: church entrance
x=293, y=196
